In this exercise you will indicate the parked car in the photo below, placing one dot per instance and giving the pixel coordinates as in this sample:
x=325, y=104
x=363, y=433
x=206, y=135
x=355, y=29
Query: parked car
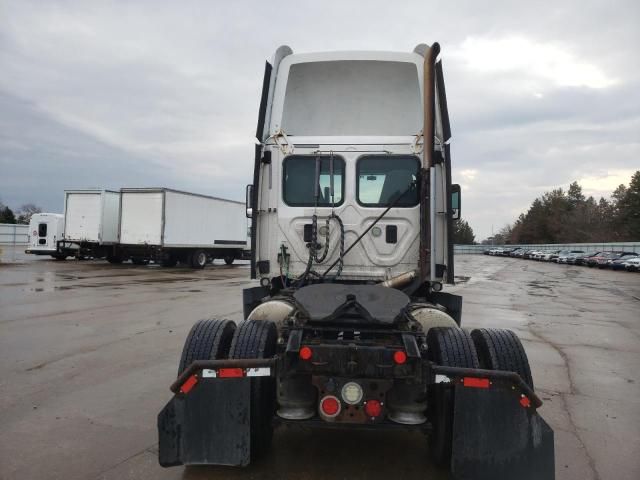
x=584, y=258
x=592, y=261
x=563, y=257
x=537, y=255
x=632, y=264
x=548, y=256
x=620, y=263
x=557, y=257
x=571, y=258
x=606, y=263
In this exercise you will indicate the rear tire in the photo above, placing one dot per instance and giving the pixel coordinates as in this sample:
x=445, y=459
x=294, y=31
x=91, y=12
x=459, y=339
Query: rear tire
x=199, y=259
x=257, y=339
x=207, y=340
x=450, y=347
x=500, y=349
x=229, y=260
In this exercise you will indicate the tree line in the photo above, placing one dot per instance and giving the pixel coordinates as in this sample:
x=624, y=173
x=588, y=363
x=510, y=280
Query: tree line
x=22, y=216
x=568, y=216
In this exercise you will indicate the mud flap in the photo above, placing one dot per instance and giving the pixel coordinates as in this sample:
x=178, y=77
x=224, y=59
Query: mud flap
x=498, y=435
x=210, y=425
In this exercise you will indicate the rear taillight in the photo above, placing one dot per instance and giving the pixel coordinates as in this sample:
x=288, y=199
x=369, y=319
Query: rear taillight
x=373, y=408
x=399, y=357
x=330, y=406
x=305, y=353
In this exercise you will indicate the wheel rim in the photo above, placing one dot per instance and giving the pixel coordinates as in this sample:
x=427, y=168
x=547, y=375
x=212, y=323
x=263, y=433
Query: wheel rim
x=201, y=259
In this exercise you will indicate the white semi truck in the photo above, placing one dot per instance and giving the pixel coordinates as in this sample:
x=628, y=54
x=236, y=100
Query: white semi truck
x=170, y=226
x=91, y=219
x=352, y=207
x=45, y=229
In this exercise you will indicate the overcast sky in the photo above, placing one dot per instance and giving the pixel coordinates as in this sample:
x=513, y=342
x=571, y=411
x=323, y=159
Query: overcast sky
x=152, y=93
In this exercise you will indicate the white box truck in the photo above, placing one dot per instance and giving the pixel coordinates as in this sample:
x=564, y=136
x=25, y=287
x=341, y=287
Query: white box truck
x=91, y=223
x=170, y=226
x=45, y=229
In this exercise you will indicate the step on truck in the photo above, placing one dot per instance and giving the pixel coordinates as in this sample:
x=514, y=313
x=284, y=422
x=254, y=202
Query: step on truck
x=352, y=208
x=169, y=226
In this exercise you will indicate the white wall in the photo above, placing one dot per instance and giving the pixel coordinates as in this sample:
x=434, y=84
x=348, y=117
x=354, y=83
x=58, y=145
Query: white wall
x=12, y=234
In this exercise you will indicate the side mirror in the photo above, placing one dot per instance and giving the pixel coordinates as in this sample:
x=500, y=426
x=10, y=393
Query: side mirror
x=248, y=202
x=456, y=201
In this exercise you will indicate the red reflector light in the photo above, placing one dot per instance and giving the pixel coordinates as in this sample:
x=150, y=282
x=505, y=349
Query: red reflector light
x=330, y=406
x=230, y=373
x=475, y=382
x=399, y=357
x=373, y=408
x=525, y=402
x=189, y=384
x=305, y=353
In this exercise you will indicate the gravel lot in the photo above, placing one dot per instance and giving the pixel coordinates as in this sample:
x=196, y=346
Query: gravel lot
x=88, y=350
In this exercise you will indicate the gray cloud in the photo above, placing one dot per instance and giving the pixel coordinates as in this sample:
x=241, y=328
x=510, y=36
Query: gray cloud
x=164, y=93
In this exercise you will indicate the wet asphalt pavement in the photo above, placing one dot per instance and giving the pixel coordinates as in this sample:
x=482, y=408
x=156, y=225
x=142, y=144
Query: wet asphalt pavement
x=88, y=350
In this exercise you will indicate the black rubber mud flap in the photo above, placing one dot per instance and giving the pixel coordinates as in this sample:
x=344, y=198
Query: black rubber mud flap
x=495, y=437
x=210, y=425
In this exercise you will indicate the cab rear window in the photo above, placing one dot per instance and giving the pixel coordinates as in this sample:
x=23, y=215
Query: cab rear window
x=42, y=229
x=383, y=178
x=299, y=172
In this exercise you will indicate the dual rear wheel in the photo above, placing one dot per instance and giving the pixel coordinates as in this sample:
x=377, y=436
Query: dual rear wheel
x=491, y=349
x=485, y=348
x=220, y=339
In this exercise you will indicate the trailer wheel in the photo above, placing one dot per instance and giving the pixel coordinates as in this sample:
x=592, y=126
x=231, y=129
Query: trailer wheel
x=207, y=340
x=257, y=339
x=229, y=259
x=451, y=347
x=500, y=349
x=199, y=259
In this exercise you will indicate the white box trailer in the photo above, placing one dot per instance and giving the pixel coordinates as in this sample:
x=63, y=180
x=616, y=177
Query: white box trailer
x=45, y=229
x=91, y=220
x=168, y=225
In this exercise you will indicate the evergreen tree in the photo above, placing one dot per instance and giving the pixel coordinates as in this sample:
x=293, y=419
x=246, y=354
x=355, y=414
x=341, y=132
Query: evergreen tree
x=6, y=215
x=568, y=217
x=463, y=233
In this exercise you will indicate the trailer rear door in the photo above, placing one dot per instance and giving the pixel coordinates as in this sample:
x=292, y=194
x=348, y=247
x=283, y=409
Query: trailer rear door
x=82, y=216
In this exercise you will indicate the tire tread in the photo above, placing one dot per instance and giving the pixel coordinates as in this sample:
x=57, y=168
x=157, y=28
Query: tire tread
x=501, y=349
x=207, y=340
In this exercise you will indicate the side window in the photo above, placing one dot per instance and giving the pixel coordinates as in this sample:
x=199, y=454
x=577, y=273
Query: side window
x=42, y=229
x=298, y=174
x=382, y=178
